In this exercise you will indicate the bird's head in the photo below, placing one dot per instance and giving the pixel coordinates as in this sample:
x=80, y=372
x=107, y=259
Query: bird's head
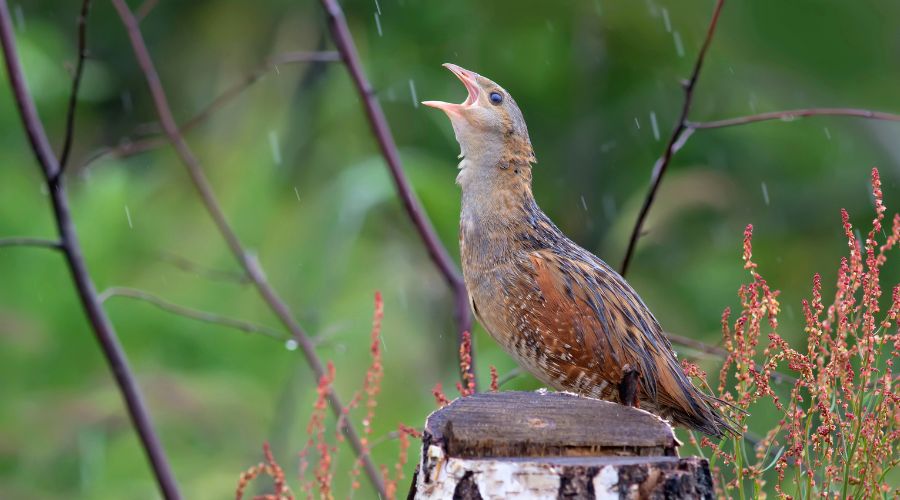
x=489, y=126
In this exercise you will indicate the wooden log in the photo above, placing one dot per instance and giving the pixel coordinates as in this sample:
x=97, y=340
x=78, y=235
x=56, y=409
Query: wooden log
x=552, y=445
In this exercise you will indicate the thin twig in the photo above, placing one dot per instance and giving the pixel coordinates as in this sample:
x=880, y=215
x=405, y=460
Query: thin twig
x=343, y=40
x=144, y=9
x=721, y=353
x=196, y=314
x=131, y=148
x=509, y=376
x=244, y=258
x=792, y=114
x=87, y=293
x=662, y=164
x=76, y=82
x=207, y=272
x=30, y=242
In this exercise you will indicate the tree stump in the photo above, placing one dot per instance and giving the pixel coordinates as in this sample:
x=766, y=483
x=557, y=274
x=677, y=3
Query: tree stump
x=552, y=445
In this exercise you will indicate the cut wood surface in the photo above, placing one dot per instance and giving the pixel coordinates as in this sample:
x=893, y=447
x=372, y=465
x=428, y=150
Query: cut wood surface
x=552, y=445
x=534, y=424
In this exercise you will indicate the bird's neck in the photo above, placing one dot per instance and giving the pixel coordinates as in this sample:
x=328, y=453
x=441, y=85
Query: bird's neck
x=494, y=193
x=500, y=219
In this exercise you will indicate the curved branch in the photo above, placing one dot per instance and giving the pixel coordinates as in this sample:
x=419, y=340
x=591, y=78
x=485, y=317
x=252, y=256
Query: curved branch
x=131, y=148
x=71, y=247
x=793, y=114
x=30, y=242
x=676, y=140
x=343, y=39
x=211, y=273
x=76, y=83
x=247, y=260
x=721, y=353
x=188, y=312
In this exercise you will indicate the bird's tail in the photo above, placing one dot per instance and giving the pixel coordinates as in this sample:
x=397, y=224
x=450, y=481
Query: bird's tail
x=686, y=405
x=705, y=415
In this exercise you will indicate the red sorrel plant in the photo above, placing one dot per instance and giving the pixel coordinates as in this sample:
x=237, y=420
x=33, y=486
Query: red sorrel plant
x=838, y=435
x=326, y=450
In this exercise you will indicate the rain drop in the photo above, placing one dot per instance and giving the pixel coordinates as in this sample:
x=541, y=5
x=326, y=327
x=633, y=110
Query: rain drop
x=290, y=345
x=276, y=149
x=679, y=46
x=609, y=206
x=127, y=104
x=412, y=91
x=20, y=17
x=654, y=125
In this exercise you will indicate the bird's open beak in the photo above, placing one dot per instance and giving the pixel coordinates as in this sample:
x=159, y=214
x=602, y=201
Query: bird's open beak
x=468, y=79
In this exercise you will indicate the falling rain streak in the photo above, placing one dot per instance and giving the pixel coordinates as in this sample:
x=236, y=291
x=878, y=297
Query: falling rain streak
x=276, y=148
x=609, y=206
x=654, y=125
x=378, y=23
x=128, y=217
x=679, y=46
x=297, y=192
x=637, y=123
x=666, y=21
x=412, y=91
x=765, y=192
x=127, y=103
x=583, y=203
x=20, y=18
x=378, y=7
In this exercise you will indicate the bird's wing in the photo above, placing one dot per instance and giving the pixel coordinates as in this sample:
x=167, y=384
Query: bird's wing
x=607, y=319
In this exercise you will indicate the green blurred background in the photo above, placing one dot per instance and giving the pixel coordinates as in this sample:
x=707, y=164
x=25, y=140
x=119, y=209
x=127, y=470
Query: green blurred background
x=299, y=176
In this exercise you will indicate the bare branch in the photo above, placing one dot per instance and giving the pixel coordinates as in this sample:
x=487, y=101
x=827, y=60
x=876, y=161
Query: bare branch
x=237, y=88
x=131, y=148
x=211, y=273
x=145, y=8
x=244, y=258
x=721, y=353
x=87, y=293
x=76, y=83
x=30, y=242
x=196, y=314
x=696, y=345
x=793, y=114
x=510, y=375
x=662, y=164
x=343, y=39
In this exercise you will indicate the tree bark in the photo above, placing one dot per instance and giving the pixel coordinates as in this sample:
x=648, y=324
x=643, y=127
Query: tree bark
x=552, y=445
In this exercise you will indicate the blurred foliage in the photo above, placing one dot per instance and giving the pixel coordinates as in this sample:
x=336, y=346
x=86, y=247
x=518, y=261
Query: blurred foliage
x=299, y=176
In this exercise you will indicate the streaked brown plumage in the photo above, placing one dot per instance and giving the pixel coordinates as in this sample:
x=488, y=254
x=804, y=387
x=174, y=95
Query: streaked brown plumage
x=564, y=314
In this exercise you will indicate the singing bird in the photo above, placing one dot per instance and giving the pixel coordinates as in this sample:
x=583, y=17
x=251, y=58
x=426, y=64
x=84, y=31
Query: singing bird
x=565, y=315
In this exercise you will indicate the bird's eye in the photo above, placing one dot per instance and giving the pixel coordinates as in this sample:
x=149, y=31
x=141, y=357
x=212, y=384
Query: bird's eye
x=496, y=97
